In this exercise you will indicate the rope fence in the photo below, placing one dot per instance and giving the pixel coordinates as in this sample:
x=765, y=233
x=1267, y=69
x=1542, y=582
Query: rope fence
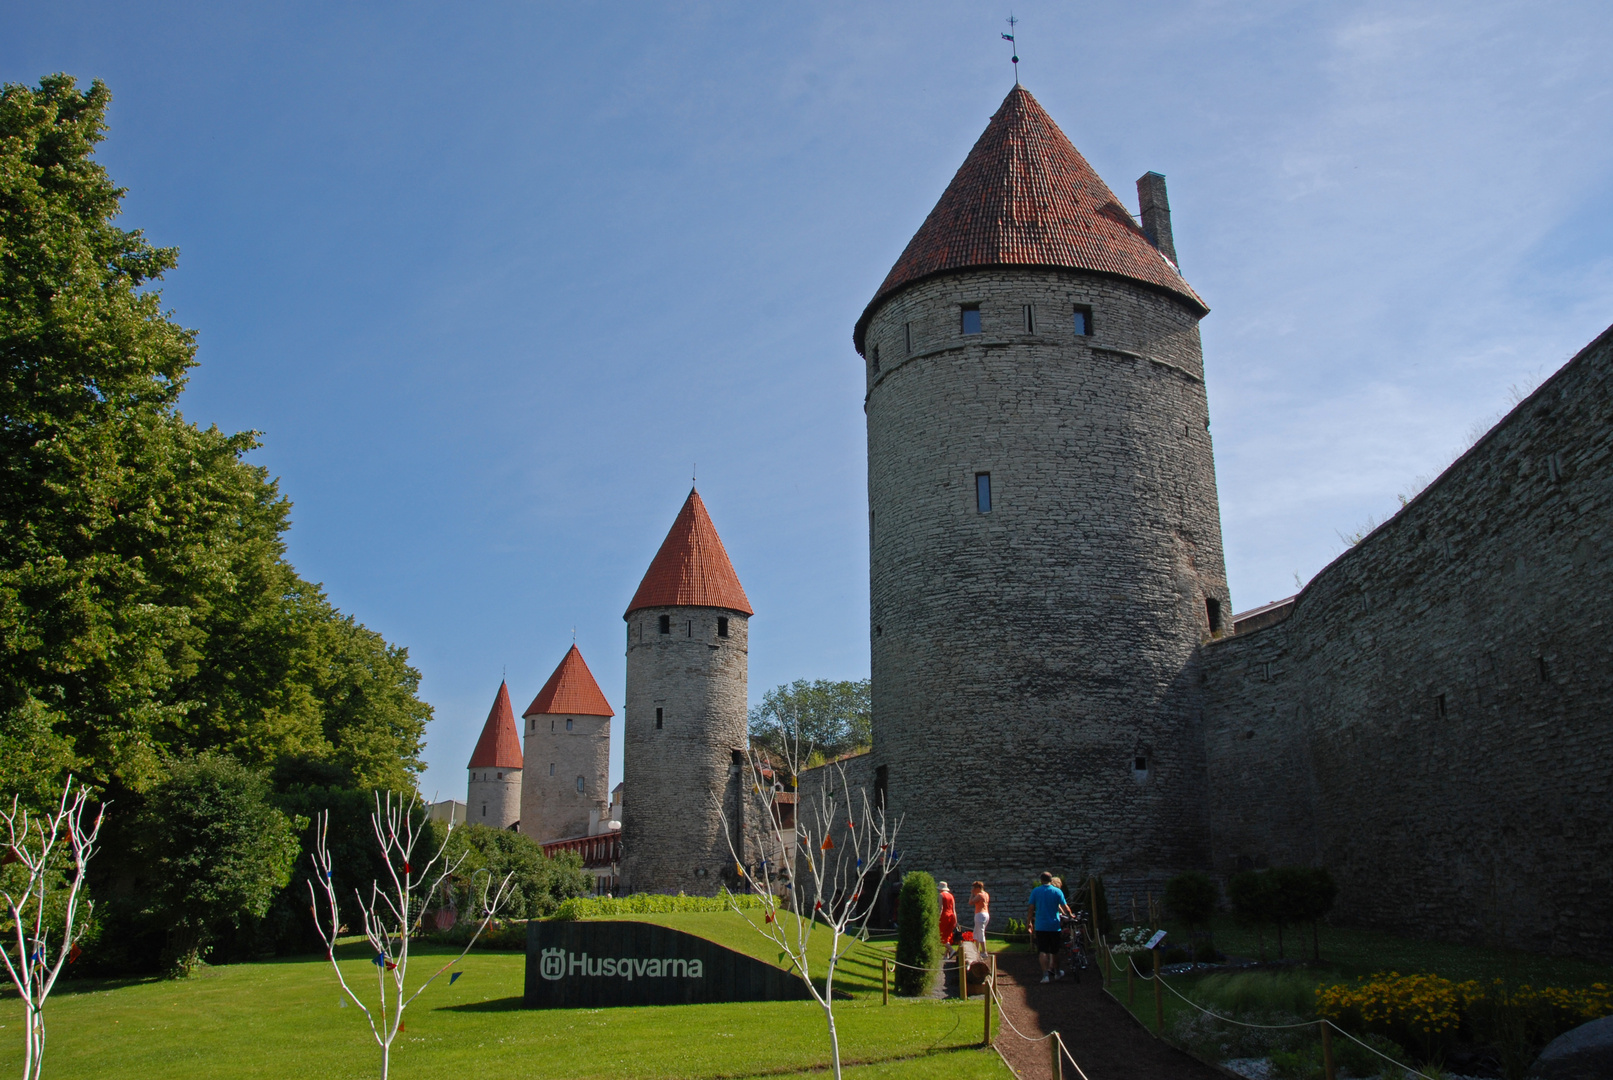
x=1323, y=1021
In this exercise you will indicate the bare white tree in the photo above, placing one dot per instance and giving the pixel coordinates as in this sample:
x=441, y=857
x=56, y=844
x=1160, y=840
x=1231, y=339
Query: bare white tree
x=392, y=912
x=817, y=866
x=53, y=851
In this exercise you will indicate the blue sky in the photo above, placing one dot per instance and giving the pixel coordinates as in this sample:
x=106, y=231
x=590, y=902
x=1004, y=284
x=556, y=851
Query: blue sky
x=492, y=278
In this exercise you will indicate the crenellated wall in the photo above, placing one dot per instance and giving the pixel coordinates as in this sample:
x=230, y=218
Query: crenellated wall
x=1433, y=719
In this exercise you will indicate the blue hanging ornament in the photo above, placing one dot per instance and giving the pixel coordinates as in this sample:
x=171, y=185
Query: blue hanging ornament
x=454, y=976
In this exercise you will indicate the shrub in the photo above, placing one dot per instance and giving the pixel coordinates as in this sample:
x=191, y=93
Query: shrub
x=918, y=934
x=1191, y=897
x=1236, y=994
x=541, y=884
x=604, y=907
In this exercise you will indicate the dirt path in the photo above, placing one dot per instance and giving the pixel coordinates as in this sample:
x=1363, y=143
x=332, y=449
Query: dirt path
x=1107, y=1043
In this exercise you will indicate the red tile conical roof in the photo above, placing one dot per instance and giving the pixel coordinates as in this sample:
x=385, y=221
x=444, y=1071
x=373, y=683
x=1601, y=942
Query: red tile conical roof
x=1026, y=197
x=571, y=689
x=500, y=744
x=691, y=569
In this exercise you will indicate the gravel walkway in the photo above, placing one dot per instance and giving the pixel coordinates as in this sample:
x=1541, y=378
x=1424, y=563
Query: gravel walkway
x=1108, y=1044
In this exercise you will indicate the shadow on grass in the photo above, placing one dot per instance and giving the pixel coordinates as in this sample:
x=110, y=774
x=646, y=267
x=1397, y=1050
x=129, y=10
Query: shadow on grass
x=493, y=1005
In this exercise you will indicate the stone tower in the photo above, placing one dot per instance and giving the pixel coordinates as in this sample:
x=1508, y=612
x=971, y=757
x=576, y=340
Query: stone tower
x=568, y=744
x=494, y=796
x=685, y=730
x=1044, y=532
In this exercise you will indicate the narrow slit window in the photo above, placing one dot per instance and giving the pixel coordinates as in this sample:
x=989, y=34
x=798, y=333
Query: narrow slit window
x=983, y=492
x=1545, y=672
x=971, y=318
x=1030, y=318
x=551, y=768
x=666, y=624
x=1212, y=611
x=907, y=336
x=658, y=719
x=1083, y=321
x=581, y=784
x=875, y=360
x=1439, y=706
x=722, y=626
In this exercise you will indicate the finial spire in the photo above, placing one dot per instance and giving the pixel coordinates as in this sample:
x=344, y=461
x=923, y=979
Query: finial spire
x=1014, y=46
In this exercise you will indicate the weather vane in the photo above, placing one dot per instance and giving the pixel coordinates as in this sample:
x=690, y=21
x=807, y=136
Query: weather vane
x=1009, y=37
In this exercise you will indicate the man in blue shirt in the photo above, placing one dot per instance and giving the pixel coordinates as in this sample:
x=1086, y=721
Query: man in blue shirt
x=1046, y=902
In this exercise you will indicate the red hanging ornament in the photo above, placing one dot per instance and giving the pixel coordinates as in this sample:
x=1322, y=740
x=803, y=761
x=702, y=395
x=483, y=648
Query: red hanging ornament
x=828, y=843
x=406, y=869
x=73, y=953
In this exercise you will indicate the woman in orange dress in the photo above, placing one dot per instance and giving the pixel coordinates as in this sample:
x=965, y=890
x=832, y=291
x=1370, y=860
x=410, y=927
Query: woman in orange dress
x=949, y=917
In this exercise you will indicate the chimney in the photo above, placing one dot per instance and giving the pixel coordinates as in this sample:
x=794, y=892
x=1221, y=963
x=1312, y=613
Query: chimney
x=1156, y=213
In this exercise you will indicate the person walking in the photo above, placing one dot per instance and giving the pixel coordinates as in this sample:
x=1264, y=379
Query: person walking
x=980, y=900
x=949, y=918
x=1046, y=903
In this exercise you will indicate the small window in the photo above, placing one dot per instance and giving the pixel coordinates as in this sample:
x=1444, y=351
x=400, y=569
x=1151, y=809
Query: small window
x=875, y=359
x=581, y=783
x=722, y=626
x=666, y=624
x=658, y=719
x=1545, y=672
x=501, y=776
x=983, y=492
x=551, y=768
x=1439, y=706
x=484, y=809
x=1212, y=611
x=1083, y=320
x=907, y=336
x=551, y=725
x=971, y=318
x=1139, y=764
x=1030, y=318
x=568, y=725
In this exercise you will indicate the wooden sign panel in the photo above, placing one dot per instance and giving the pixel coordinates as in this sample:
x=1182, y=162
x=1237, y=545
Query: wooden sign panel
x=599, y=964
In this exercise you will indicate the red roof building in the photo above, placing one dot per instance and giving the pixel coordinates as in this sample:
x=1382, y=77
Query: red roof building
x=570, y=690
x=1026, y=197
x=500, y=744
x=692, y=568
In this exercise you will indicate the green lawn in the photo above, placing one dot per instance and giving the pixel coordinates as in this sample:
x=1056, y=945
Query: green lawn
x=283, y=1018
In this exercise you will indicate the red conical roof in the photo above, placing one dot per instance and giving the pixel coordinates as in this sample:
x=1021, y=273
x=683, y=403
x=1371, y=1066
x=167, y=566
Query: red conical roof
x=500, y=744
x=691, y=569
x=571, y=689
x=1026, y=197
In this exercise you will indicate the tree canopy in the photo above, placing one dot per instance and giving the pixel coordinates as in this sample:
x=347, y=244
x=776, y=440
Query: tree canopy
x=824, y=718
x=147, y=609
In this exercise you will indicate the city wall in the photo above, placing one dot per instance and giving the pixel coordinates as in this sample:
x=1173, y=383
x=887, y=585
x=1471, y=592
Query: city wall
x=1431, y=718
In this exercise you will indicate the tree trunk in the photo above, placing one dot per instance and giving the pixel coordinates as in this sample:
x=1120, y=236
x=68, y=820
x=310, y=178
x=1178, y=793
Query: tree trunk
x=834, y=1036
x=1316, y=942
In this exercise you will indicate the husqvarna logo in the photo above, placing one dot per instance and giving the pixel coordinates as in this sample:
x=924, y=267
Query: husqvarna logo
x=556, y=964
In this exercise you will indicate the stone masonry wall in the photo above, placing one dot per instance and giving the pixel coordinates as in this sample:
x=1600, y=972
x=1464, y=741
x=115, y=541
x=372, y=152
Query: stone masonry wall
x=1023, y=660
x=1433, y=721
x=552, y=807
x=676, y=775
x=493, y=797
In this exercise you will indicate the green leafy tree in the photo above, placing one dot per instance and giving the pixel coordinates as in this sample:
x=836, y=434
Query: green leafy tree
x=824, y=718
x=1253, y=901
x=918, y=934
x=147, y=610
x=1191, y=897
x=1307, y=895
x=539, y=884
x=215, y=850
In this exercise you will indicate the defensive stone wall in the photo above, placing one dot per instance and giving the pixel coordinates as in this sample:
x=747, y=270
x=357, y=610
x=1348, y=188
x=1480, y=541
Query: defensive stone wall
x=677, y=773
x=493, y=797
x=1035, y=688
x=1433, y=720
x=567, y=762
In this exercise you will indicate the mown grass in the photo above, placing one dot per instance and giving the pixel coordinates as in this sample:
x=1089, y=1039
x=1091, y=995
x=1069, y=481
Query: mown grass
x=284, y=1018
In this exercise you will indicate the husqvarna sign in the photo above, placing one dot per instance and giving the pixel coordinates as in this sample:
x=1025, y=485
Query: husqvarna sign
x=633, y=963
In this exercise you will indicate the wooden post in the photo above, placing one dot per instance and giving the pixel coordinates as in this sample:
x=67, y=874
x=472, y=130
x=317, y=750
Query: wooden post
x=1159, y=996
x=885, y=980
x=991, y=988
x=1131, y=980
x=1058, y=1058
x=963, y=972
x=1327, y=1050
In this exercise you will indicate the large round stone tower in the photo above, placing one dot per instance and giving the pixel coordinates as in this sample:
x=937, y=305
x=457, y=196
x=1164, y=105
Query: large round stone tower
x=685, y=730
x=566, y=792
x=494, y=793
x=1045, y=538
